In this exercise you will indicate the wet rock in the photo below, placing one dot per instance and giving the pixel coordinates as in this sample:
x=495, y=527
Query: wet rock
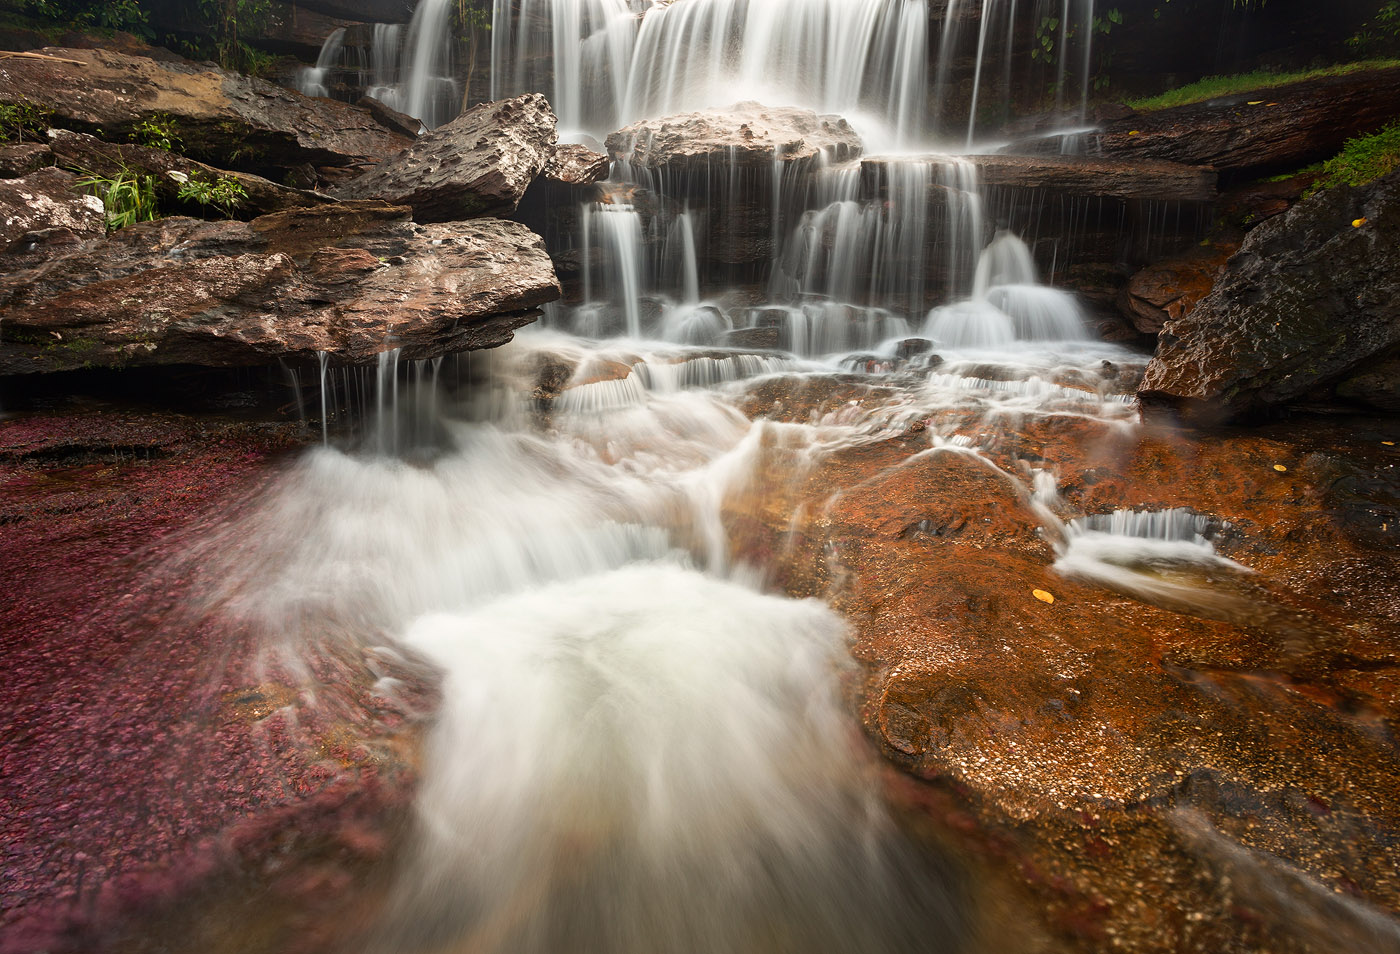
x=22, y=158
x=1087, y=176
x=1311, y=297
x=1265, y=130
x=479, y=164
x=1378, y=386
x=351, y=280
x=48, y=199
x=1168, y=290
x=745, y=134
x=224, y=118
x=170, y=170
x=765, y=339
x=575, y=165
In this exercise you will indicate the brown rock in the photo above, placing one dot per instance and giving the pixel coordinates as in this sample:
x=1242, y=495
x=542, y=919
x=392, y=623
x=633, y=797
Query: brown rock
x=20, y=159
x=47, y=199
x=352, y=280
x=481, y=163
x=1168, y=290
x=1269, y=129
x=224, y=118
x=575, y=165
x=1090, y=176
x=169, y=170
x=745, y=134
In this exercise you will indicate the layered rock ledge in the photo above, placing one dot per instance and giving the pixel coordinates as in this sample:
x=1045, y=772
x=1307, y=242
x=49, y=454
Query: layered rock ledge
x=224, y=118
x=350, y=280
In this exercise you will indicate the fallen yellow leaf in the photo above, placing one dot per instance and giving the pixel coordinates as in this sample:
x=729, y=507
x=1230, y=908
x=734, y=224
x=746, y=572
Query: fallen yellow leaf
x=1043, y=596
x=1280, y=468
x=1133, y=132
x=1357, y=223
x=1388, y=443
x=1254, y=102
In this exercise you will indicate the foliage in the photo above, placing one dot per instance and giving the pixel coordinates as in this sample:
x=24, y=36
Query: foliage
x=473, y=16
x=129, y=197
x=228, y=22
x=160, y=131
x=224, y=193
x=111, y=15
x=1213, y=86
x=1362, y=160
x=1380, y=35
x=21, y=119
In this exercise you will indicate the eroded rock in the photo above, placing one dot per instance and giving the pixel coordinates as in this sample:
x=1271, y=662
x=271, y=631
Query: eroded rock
x=224, y=118
x=351, y=280
x=1310, y=298
x=744, y=134
x=479, y=164
x=1168, y=290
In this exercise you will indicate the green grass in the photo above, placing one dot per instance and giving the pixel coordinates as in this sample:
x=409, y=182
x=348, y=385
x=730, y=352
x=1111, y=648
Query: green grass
x=1213, y=86
x=1362, y=160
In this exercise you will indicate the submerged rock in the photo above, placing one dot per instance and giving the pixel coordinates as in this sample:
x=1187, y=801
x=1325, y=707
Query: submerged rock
x=47, y=200
x=223, y=118
x=352, y=280
x=481, y=163
x=1310, y=298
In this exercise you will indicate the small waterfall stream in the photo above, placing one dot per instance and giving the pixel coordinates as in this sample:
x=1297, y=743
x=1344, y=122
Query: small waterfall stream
x=643, y=744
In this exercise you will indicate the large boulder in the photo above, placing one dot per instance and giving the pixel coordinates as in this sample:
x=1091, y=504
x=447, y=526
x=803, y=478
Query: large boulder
x=1265, y=130
x=224, y=118
x=481, y=163
x=350, y=280
x=46, y=200
x=744, y=134
x=1311, y=298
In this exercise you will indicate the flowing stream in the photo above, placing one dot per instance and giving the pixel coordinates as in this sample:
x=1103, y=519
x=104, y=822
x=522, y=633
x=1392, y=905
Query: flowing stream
x=643, y=744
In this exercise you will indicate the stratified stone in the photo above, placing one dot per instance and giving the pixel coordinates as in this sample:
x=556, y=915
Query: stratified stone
x=48, y=200
x=21, y=158
x=350, y=280
x=479, y=164
x=224, y=118
x=1310, y=298
x=1283, y=128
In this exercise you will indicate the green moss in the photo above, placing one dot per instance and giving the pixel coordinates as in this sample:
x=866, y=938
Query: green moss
x=1362, y=160
x=1214, y=86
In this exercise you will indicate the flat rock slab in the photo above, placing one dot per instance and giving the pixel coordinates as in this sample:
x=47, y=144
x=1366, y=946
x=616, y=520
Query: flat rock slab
x=744, y=134
x=351, y=280
x=1310, y=298
x=224, y=118
x=1276, y=129
x=479, y=164
x=1077, y=175
x=47, y=200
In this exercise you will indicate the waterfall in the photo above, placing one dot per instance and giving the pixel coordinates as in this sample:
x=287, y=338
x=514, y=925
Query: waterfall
x=313, y=80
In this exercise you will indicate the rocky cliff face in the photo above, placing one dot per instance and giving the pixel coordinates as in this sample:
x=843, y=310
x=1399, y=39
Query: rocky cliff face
x=1311, y=299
